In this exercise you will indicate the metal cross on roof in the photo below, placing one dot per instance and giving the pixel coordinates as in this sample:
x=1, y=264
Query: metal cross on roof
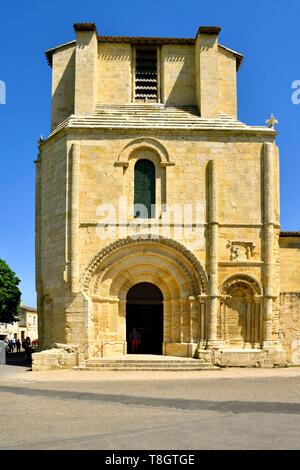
x=272, y=121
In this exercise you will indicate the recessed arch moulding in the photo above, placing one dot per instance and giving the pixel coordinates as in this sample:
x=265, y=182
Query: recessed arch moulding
x=165, y=263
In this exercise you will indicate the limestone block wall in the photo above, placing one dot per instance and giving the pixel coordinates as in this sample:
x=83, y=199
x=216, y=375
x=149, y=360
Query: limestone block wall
x=51, y=243
x=69, y=234
x=89, y=72
x=63, y=84
x=178, y=75
x=114, y=71
x=53, y=214
x=289, y=249
x=290, y=325
x=240, y=213
x=227, y=83
x=86, y=76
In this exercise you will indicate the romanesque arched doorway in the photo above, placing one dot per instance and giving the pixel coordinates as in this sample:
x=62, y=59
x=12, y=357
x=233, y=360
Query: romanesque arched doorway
x=144, y=311
x=110, y=286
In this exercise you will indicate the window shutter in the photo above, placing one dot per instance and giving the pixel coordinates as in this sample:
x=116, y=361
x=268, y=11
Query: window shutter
x=146, y=88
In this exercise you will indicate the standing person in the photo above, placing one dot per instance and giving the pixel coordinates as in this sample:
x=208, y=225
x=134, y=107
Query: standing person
x=28, y=350
x=10, y=346
x=135, y=339
x=18, y=344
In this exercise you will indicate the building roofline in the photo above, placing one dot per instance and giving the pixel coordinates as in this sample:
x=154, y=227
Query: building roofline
x=29, y=309
x=84, y=27
x=289, y=234
x=147, y=39
x=140, y=40
x=209, y=30
x=49, y=53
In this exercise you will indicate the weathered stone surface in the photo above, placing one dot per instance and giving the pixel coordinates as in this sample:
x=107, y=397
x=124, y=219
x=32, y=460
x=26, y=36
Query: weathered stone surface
x=289, y=320
x=220, y=276
x=54, y=359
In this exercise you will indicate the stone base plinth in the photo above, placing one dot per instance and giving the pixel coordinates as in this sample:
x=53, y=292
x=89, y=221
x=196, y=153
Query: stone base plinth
x=54, y=359
x=249, y=358
x=180, y=349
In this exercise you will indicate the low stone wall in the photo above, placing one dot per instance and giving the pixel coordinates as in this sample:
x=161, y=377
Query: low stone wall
x=249, y=358
x=59, y=357
x=289, y=319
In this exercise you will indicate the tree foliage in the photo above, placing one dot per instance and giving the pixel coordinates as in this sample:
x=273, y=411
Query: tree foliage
x=10, y=294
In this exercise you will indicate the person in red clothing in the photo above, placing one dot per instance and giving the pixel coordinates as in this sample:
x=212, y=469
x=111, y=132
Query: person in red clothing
x=135, y=339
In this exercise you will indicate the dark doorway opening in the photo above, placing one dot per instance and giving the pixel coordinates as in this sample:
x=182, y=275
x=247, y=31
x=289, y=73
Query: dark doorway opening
x=144, y=311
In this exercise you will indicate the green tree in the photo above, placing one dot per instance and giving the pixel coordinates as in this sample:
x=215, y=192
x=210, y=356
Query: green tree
x=10, y=294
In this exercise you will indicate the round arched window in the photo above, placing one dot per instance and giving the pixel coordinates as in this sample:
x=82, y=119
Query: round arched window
x=144, y=189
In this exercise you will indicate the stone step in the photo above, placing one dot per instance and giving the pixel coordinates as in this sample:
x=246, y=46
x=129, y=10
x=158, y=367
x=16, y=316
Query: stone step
x=149, y=367
x=144, y=364
x=162, y=368
x=133, y=361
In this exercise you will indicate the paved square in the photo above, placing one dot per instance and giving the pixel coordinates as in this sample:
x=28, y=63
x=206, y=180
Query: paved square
x=227, y=409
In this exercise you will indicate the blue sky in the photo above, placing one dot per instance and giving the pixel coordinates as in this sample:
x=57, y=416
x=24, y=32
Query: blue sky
x=267, y=33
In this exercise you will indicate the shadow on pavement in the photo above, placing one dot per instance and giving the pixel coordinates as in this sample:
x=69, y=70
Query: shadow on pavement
x=235, y=407
x=18, y=359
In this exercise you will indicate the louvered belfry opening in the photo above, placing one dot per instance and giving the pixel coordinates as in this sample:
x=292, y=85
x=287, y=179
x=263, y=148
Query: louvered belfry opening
x=146, y=83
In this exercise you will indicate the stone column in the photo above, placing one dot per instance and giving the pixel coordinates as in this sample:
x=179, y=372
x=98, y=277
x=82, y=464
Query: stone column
x=168, y=321
x=249, y=321
x=185, y=320
x=176, y=321
x=257, y=323
x=202, y=321
x=223, y=321
x=74, y=217
x=213, y=253
x=194, y=319
x=122, y=323
x=269, y=224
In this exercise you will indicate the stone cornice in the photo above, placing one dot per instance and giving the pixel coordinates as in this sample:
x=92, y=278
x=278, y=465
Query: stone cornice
x=260, y=132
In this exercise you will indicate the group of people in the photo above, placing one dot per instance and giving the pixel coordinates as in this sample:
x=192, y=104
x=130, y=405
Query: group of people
x=12, y=345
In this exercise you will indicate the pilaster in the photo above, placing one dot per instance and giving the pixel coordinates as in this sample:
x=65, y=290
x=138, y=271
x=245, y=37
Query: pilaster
x=74, y=217
x=213, y=253
x=207, y=71
x=85, y=68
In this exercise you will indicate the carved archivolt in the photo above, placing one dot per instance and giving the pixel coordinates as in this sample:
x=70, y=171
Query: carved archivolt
x=144, y=143
x=145, y=239
x=252, y=285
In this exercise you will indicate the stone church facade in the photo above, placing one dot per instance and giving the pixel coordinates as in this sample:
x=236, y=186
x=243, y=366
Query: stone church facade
x=156, y=208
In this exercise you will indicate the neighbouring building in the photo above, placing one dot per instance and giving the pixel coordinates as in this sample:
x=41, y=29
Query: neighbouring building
x=27, y=326
x=156, y=208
